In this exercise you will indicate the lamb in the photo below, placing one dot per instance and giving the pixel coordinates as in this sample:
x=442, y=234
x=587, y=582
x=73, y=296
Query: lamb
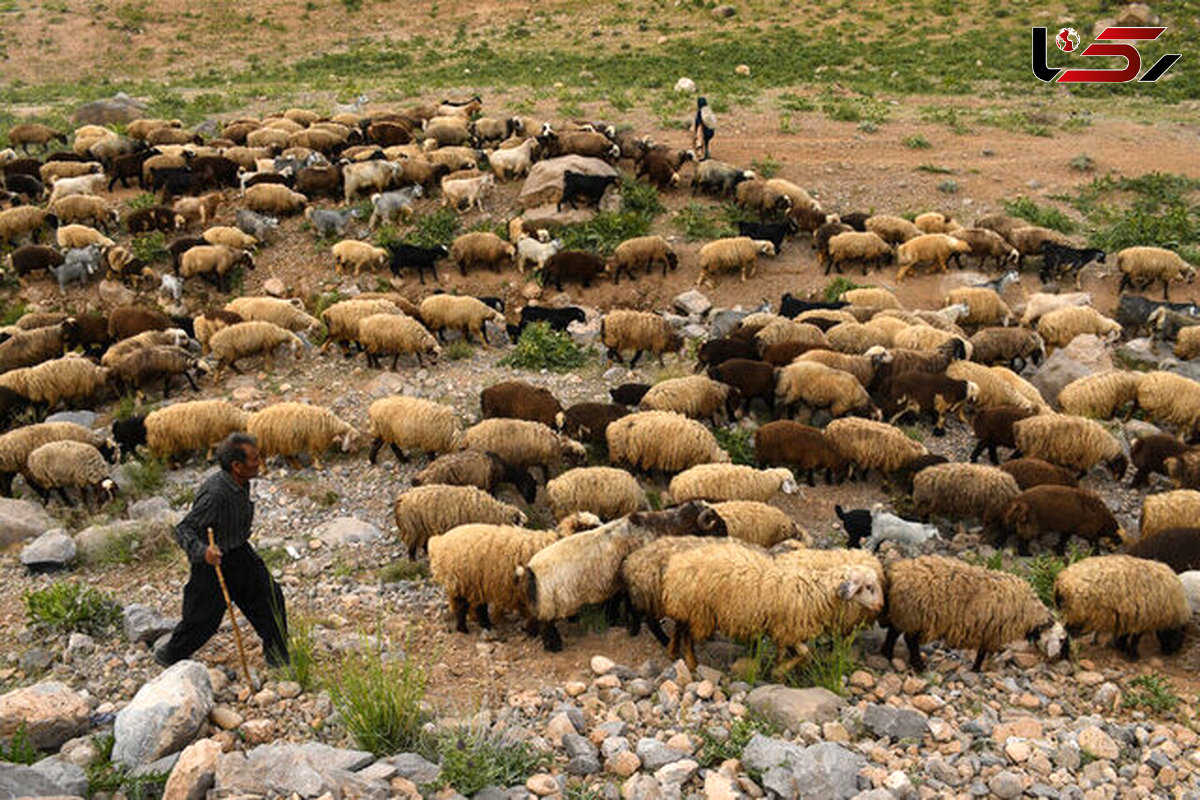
x=585, y=568
x=745, y=592
x=818, y=386
x=1031, y=472
x=695, y=396
x=607, y=492
x=215, y=260
x=1145, y=265
x=886, y=527
x=274, y=198
x=429, y=511
x=520, y=400
x=84, y=184
x=531, y=251
x=1067, y=510
x=661, y=441
x=289, y=429
x=718, y=482
x=181, y=428
x=984, y=305
x=932, y=248
x=485, y=471
x=244, y=339
x=1170, y=398
x=1011, y=346
x=69, y=379
x=522, y=443
x=994, y=428
x=575, y=265
x=639, y=331
x=16, y=445
x=641, y=252
x=966, y=606
x=800, y=447
x=1176, y=509
x=985, y=244
x=79, y=264
x=464, y=314
x=283, y=313
x=1061, y=326
x=353, y=253
x=1071, y=442
x=1099, y=396
x=481, y=249
x=718, y=178
x=1187, y=346
x=1126, y=597
x=468, y=190
x=865, y=248
x=1040, y=304
x=959, y=491
x=1175, y=547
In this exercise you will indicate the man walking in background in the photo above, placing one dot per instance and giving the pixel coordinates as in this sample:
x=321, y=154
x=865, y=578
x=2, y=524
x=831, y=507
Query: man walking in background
x=703, y=128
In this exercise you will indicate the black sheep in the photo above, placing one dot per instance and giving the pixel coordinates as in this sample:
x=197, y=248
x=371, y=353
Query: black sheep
x=856, y=220
x=751, y=379
x=419, y=258
x=129, y=165
x=857, y=522
x=558, y=318
x=791, y=307
x=588, y=422
x=717, y=351
x=572, y=265
x=151, y=218
x=1148, y=454
x=994, y=428
x=33, y=257
x=26, y=186
x=172, y=181
x=214, y=171
x=1178, y=548
x=773, y=232
x=590, y=187
x=1055, y=256
x=129, y=434
x=629, y=394
x=89, y=331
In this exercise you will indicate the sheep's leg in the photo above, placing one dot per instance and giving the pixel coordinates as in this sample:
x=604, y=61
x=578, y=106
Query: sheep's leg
x=551, y=640
x=1131, y=646
x=458, y=607
x=396, y=360
x=480, y=612
x=233, y=366
x=1140, y=478
x=374, y=452
x=1166, y=289
x=633, y=622
x=191, y=382
x=686, y=644
x=636, y=355
x=913, y=642
x=166, y=387
x=889, y=643
x=808, y=477
x=1061, y=547
x=66, y=497
x=980, y=655
x=655, y=628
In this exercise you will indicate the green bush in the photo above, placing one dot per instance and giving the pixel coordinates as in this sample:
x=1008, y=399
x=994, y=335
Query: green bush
x=11, y=312
x=916, y=142
x=131, y=545
x=1151, y=692
x=699, y=222
x=70, y=606
x=837, y=287
x=739, y=443
x=1043, y=569
x=434, y=228
x=404, y=570
x=1044, y=216
x=143, y=200
x=105, y=777
x=542, y=348
x=302, y=664
x=20, y=749
x=472, y=761
x=457, y=350
x=150, y=247
x=379, y=699
x=714, y=751
x=147, y=476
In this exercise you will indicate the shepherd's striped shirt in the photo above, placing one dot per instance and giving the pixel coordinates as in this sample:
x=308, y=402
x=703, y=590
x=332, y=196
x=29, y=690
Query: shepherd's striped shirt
x=223, y=505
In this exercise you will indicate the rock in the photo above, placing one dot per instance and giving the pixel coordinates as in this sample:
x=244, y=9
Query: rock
x=542, y=785
x=308, y=770
x=693, y=302
x=414, y=768
x=70, y=778
x=113, y=294
x=723, y=322
x=1098, y=744
x=1085, y=355
x=898, y=723
x=164, y=716
x=80, y=751
x=623, y=764
x=641, y=787
x=116, y=110
x=1006, y=785
x=54, y=549
x=742, y=69
x=825, y=770
x=1139, y=353
x=21, y=520
x=1107, y=697
x=719, y=787
x=602, y=665
x=677, y=773
x=155, y=508
x=342, y=531
x=655, y=755
x=790, y=707
x=193, y=774
x=545, y=181
x=584, y=758
x=764, y=752
x=584, y=333
x=274, y=287
x=51, y=712
x=225, y=717
x=685, y=86
x=17, y=780
x=144, y=624
x=723, y=12
x=86, y=419
x=899, y=785
x=95, y=541
x=35, y=659
x=1137, y=15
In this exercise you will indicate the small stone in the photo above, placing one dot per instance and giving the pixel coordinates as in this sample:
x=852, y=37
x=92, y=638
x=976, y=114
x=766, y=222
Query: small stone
x=574, y=688
x=692, y=302
x=289, y=689
x=266, y=697
x=897, y=723
x=862, y=679
x=718, y=787
x=1098, y=744
x=1028, y=700
x=927, y=703
x=559, y=727
x=679, y=772
x=654, y=754
x=835, y=732
x=1024, y=728
x=642, y=787
x=1107, y=697
x=258, y=731
x=623, y=764
x=1089, y=678
x=1068, y=756
x=1017, y=750
x=274, y=287
x=723, y=12
x=1006, y=785
x=681, y=742
x=542, y=785
x=742, y=69
x=602, y=665
x=705, y=689
x=54, y=549
x=225, y=717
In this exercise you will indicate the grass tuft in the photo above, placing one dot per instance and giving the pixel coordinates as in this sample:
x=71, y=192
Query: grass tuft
x=472, y=761
x=542, y=348
x=378, y=696
x=1151, y=692
x=837, y=287
x=715, y=751
x=1044, y=216
x=916, y=142
x=739, y=443
x=20, y=749
x=70, y=606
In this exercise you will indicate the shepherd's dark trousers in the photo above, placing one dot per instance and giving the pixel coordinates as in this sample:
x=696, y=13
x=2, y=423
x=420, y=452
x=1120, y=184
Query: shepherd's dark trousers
x=251, y=587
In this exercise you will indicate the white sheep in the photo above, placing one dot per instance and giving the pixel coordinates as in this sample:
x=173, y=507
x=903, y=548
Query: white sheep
x=533, y=251
x=889, y=527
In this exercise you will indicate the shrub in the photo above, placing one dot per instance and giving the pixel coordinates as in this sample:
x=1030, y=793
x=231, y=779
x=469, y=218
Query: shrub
x=1043, y=569
x=379, y=699
x=698, y=222
x=1043, y=216
x=916, y=142
x=948, y=187
x=837, y=287
x=434, y=228
x=20, y=749
x=1152, y=692
x=302, y=666
x=935, y=169
x=472, y=761
x=542, y=348
x=404, y=570
x=457, y=350
x=143, y=200
x=832, y=659
x=715, y=751
x=150, y=247
x=68, y=606
x=1082, y=162
x=137, y=544
x=10, y=313
x=147, y=476
x=105, y=777
x=739, y=443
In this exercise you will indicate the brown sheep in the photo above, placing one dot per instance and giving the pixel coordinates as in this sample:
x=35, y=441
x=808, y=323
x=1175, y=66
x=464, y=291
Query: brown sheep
x=1065, y=510
x=805, y=449
x=520, y=400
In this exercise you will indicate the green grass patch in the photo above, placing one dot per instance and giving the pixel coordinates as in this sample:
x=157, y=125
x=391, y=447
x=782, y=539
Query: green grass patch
x=714, y=751
x=739, y=443
x=934, y=169
x=607, y=229
x=378, y=696
x=457, y=350
x=137, y=544
x=698, y=222
x=1041, y=571
x=404, y=570
x=1155, y=208
x=12, y=311
x=765, y=167
x=473, y=760
x=1082, y=163
x=150, y=247
x=70, y=606
x=832, y=659
x=837, y=287
x=916, y=142
x=1044, y=216
x=106, y=778
x=948, y=186
x=147, y=476
x=303, y=666
x=1151, y=692
x=436, y=227
x=20, y=749
x=138, y=201
x=542, y=348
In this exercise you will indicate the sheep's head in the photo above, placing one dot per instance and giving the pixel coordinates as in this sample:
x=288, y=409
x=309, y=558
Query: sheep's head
x=573, y=452
x=349, y=440
x=517, y=517
x=787, y=481
x=879, y=355
x=972, y=392
x=1051, y=639
x=861, y=585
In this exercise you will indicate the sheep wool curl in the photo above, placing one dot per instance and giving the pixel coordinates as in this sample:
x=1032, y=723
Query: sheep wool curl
x=1072, y=442
x=959, y=491
x=272, y=309
x=522, y=443
x=871, y=297
x=411, y=423
x=873, y=445
x=661, y=441
x=694, y=396
x=640, y=331
x=742, y=591
x=64, y=464
x=427, y=511
x=718, y=482
x=70, y=378
x=933, y=222
x=1060, y=326
x=738, y=253
x=819, y=386
x=893, y=230
x=985, y=307
x=194, y=425
x=607, y=492
x=888, y=328
x=1177, y=509
x=994, y=391
x=464, y=314
x=1123, y=596
x=1099, y=396
x=1187, y=344
x=933, y=598
x=288, y=429
x=1170, y=398
x=244, y=339
x=759, y=523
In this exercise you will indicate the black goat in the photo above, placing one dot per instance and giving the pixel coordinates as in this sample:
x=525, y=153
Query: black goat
x=418, y=258
x=773, y=232
x=791, y=307
x=1056, y=256
x=558, y=318
x=26, y=186
x=173, y=181
x=857, y=522
x=590, y=187
x=1133, y=311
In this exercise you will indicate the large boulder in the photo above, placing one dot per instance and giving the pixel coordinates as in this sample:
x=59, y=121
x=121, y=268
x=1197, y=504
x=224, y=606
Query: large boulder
x=164, y=716
x=21, y=520
x=306, y=771
x=347, y=530
x=791, y=707
x=51, y=712
x=53, y=550
x=545, y=182
x=144, y=624
x=96, y=541
x=118, y=109
x=18, y=780
x=1085, y=355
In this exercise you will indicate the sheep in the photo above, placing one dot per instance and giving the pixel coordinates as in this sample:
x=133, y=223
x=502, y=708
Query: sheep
x=760, y=524
x=607, y=492
x=717, y=482
x=481, y=249
x=639, y=331
x=69, y=379
x=868, y=445
x=21, y=221
x=756, y=195
x=865, y=248
x=485, y=471
x=181, y=428
x=800, y=447
x=984, y=305
x=749, y=378
x=871, y=296
x=1072, y=442
x=513, y=162
x=819, y=386
x=1060, y=326
x=520, y=400
x=389, y=206
x=661, y=441
x=84, y=184
x=966, y=606
x=79, y=264
x=585, y=568
x=718, y=351
x=934, y=394
x=1148, y=264
x=243, y=339
x=64, y=464
x=642, y=251
x=32, y=257
x=147, y=364
x=32, y=320
x=274, y=198
x=588, y=422
x=425, y=512
x=1011, y=346
x=575, y=265
x=84, y=208
x=28, y=348
x=1029, y=240
x=1031, y=472
x=985, y=244
x=718, y=177
x=396, y=334
x=1055, y=256
x=215, y=260
x=1175, y=547
x=1184, y=470
x=1170, y=398
x=289, y=429
x=642, y=577
x=887, y=527
x=993, y=428
x=1124, y=596
x=893, y=230
x=16, y=445
x=413, y=424
x=960, y=491
x=1099, y=396
x=1039, y=304
x=342, y=319
x=932, y=248
x=695, y=396
x=558, y=319
x=352, y=253
x=233, y=238
x=280, y=312
x=28, y=133
x=1176, y=509
x=468, y=190
x=785, y=330
x=745, y=592
x=522, y=443
x=1187, y=346
x=464, y=314
x=1066, y=510
x=994, y=390
x=531, y=251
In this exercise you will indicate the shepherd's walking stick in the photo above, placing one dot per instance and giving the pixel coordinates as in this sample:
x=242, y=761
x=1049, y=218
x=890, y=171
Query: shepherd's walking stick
x=237, y=634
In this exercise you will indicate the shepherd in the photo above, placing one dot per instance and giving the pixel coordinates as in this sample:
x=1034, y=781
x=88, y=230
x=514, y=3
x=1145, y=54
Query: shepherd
x=704, y=126
x=223, y=505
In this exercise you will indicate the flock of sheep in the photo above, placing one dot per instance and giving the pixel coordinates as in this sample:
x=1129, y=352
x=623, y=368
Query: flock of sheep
x=720, y=556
